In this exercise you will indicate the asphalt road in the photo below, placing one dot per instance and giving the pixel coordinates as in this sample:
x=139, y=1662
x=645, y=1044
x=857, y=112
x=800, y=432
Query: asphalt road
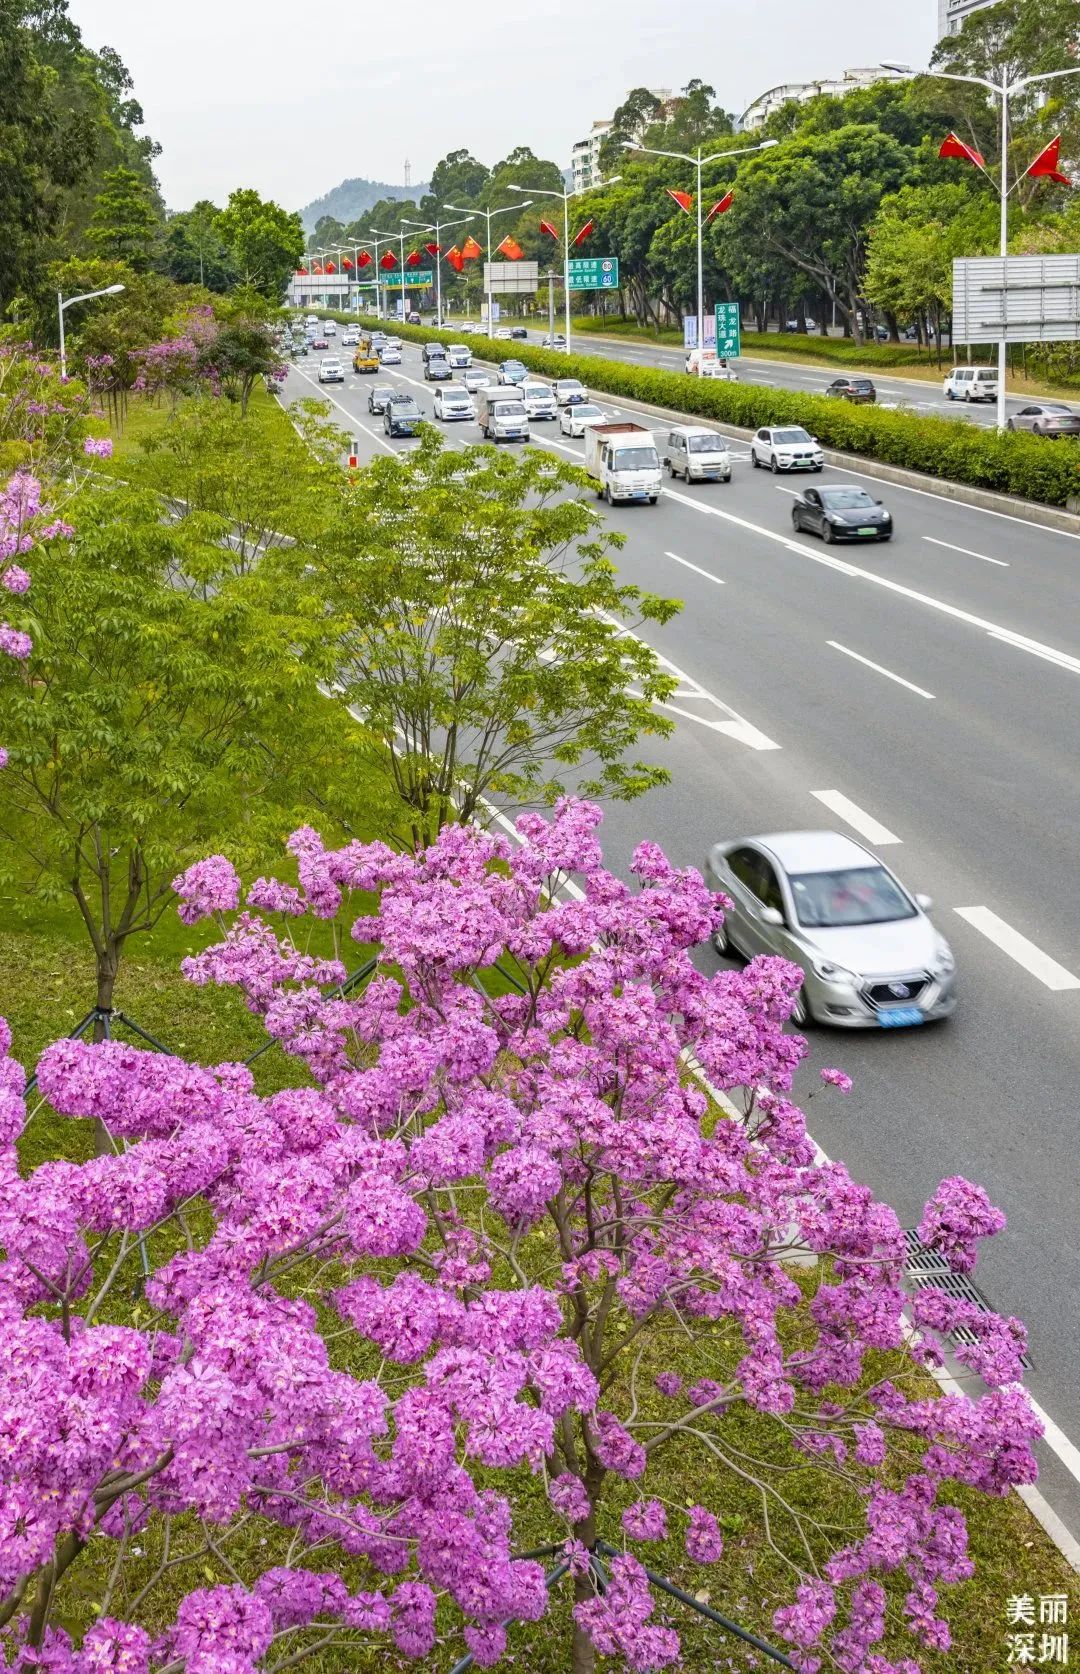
x=934, y=683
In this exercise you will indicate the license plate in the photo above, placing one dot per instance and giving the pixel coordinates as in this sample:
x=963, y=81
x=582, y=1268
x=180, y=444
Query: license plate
x=866, y=531
x=900, y=1017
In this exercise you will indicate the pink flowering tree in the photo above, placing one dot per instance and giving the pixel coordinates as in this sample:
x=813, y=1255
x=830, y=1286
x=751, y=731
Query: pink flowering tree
x=477, y=1247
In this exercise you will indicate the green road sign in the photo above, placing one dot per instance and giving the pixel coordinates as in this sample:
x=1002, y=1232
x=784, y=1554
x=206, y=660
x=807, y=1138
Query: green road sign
x=416, y=279
x=593, y=273
x=728, y=333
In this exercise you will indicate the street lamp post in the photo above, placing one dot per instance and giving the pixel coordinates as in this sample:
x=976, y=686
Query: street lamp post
x=63, y=304
x=437, y=228
x=489, y=216
x=1003, y=91
x=378, y=238
x=699, y=162
x=546, y=192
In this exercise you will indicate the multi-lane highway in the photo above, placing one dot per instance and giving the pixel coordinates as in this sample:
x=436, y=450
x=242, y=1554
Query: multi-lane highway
x=934, y=683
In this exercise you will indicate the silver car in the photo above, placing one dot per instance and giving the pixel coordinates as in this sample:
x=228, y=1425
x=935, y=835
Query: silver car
x=1047, y=418
x=871, y=958
x=476, y=378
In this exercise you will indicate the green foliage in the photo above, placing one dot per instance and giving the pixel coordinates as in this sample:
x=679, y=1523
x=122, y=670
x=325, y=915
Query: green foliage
x=264, y=241
x=194, y=252
x=458, y=178
x=482, y=633
x=912, y=242
x=125, y=225
x=1013, y=463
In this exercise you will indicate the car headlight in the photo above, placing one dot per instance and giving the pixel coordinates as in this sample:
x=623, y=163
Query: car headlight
x=834, y=973
x=943, y=964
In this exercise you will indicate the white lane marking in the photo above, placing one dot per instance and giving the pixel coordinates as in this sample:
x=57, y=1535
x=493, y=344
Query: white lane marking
x=780, y=489
x=1022, y=642
x=696, y=567
x=1010, y=941
x=352, y=418
x=967, y=552
x=690, y=690
x=859, y=820
x=889, y=675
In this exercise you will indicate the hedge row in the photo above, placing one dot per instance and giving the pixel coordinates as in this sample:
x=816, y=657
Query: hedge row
x=829, y=351
x=1017, y=463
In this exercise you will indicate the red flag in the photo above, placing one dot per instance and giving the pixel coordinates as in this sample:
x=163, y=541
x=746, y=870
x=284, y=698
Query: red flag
x=302, y=270
x=722, y=207
x=330, y=268
x=433, y=249
x=683, y=199
x=579, y=238
x=413, y=259
x=316, y=267
x=387, y=260
x=546, y=227
x=953, y=147
x=347, y=264
x=470, y=249
x=1046, y=164
x=456, y=259
x=510, y=248
x=364, y=259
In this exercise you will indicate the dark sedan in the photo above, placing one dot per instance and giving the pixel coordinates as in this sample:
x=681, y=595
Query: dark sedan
x=319, y=343
x=518, y=331
x=438, y=369
x=379, y=396
x=859, y=390
x=1047, y=418
x=401, y=416
x=842, y=514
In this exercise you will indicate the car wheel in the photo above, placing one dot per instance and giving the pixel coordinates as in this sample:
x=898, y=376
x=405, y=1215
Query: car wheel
x=773, y=466
x=884, y=537
x=753, y=460
x=607, y=494
x=1010, y=425
x=818, y=470
x=721, y=941
x=801, y=1015
x=1036, y=429
x=827, y=533
x=796, y=521
x=653, y=499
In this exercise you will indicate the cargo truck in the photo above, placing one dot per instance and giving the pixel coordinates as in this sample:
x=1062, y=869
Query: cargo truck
x=623, y=462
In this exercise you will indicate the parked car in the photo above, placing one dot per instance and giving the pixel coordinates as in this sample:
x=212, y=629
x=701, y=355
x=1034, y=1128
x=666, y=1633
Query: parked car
x=512, y=372
x=476, y=378
x=697, y=454
x=860, y=391
x=786, y=448
x=401, y=416
x=1047, y=418
x=378, y=396
x=971, y=383
x=575, y=420
x=839, y=513
x=453, y=401
x=437, y=370
x=331, y=372
x=870, y=956
x=570, y=391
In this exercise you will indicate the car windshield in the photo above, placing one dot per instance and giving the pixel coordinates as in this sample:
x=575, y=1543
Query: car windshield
x=509, y=409
x=636, y=459
x=846, y=499
x=790, y=436
x=570, y=383
x=854, y=895
x=587, y=412
x=706, y=444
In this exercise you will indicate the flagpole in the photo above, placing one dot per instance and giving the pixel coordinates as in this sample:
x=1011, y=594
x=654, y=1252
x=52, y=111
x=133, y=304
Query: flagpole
x=700, y=278
x=488, y=214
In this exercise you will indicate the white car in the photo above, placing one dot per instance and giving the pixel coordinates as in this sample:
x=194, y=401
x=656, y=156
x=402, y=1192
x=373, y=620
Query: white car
x=453, y=401
x=971, y=383
x=350, y=337
x=331, y=372
x=329, y=328
x=710, y=367
x=786, y=448
x=539, y=400
x=476, y=378
x=574, y=421
x=460, y=356
x=570, y=392
x=503, y=333
x=390, y=356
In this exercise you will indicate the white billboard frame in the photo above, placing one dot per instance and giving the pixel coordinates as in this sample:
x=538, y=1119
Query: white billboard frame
x=521, y=278
x=1021, y=299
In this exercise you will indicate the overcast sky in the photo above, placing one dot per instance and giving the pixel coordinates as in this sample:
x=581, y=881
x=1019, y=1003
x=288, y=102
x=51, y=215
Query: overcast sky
x=292, y=99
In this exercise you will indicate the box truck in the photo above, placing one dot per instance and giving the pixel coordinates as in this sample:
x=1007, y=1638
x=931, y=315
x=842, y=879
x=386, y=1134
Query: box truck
x=623, y=462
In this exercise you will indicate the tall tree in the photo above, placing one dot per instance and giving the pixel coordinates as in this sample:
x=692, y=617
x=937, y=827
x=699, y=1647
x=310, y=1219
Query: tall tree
x=125, y=225
x=194, y=251
x=264, y=241
x=689, y=121
x=458, y=178
x=912, y=241
x=638, y=111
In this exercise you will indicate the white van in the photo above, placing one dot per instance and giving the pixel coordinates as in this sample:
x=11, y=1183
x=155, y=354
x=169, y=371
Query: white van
x=698, y=454
x=972, y=383
x=501, y=415
x=539, y=400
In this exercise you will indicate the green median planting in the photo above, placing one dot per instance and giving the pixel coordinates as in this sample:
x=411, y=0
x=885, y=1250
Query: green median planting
x=1030, y=467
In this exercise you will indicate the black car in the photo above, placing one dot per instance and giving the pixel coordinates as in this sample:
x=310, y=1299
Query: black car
x=842, y=514
x=378, y=397
x=401, y=416
x=859, y=390
x=437, y=367
x=518, y=331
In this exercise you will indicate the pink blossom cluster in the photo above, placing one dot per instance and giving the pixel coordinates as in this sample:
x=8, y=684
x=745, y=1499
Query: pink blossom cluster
x=510, y=1189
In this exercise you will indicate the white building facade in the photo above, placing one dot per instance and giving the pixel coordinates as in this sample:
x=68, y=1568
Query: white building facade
x=951, y=14
x=585, y=155
x=835, y=86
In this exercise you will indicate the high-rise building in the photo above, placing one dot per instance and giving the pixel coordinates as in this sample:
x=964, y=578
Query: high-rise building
x=836, y=86
x=585, y=155
x=951, y=14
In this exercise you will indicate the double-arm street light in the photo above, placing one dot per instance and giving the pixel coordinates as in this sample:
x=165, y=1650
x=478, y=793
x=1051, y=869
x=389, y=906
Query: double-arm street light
x=376, y=239
x=437, y=228
x=546, y=192
x=1003, y=90
x=489, y=215
x=699, y=162
x=64, y=303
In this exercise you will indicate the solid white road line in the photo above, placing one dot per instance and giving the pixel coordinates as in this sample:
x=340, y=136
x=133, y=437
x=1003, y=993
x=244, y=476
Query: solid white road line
x=889, y=675
x=967, y=552
x=1010, y=941
x=865, y=824
x=352, y=418
x=696, y=567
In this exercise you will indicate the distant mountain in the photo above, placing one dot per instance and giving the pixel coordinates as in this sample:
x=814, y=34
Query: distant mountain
x=352, y=197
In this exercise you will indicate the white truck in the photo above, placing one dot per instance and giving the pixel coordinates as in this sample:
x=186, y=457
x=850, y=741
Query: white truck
x=623, y=462
x=501, y=415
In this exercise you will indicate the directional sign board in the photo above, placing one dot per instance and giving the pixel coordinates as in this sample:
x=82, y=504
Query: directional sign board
x=593, y=273
x=416, y=279
x=1024, y=299
x=511, y=278
x=728, y=330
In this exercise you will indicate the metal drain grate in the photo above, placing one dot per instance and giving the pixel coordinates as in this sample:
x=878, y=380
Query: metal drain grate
x=927, y=1270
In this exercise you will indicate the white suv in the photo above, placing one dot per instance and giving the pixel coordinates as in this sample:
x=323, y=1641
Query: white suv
x=786, y=447
x=972, y=383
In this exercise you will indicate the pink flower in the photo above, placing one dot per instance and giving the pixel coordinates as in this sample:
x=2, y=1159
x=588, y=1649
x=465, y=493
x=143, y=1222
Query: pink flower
x=704, y=1542
x=210, y=886
x=836, y=1078
x=98, y=447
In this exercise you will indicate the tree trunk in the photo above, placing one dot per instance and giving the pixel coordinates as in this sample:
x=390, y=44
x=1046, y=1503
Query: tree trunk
x=108, y=964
